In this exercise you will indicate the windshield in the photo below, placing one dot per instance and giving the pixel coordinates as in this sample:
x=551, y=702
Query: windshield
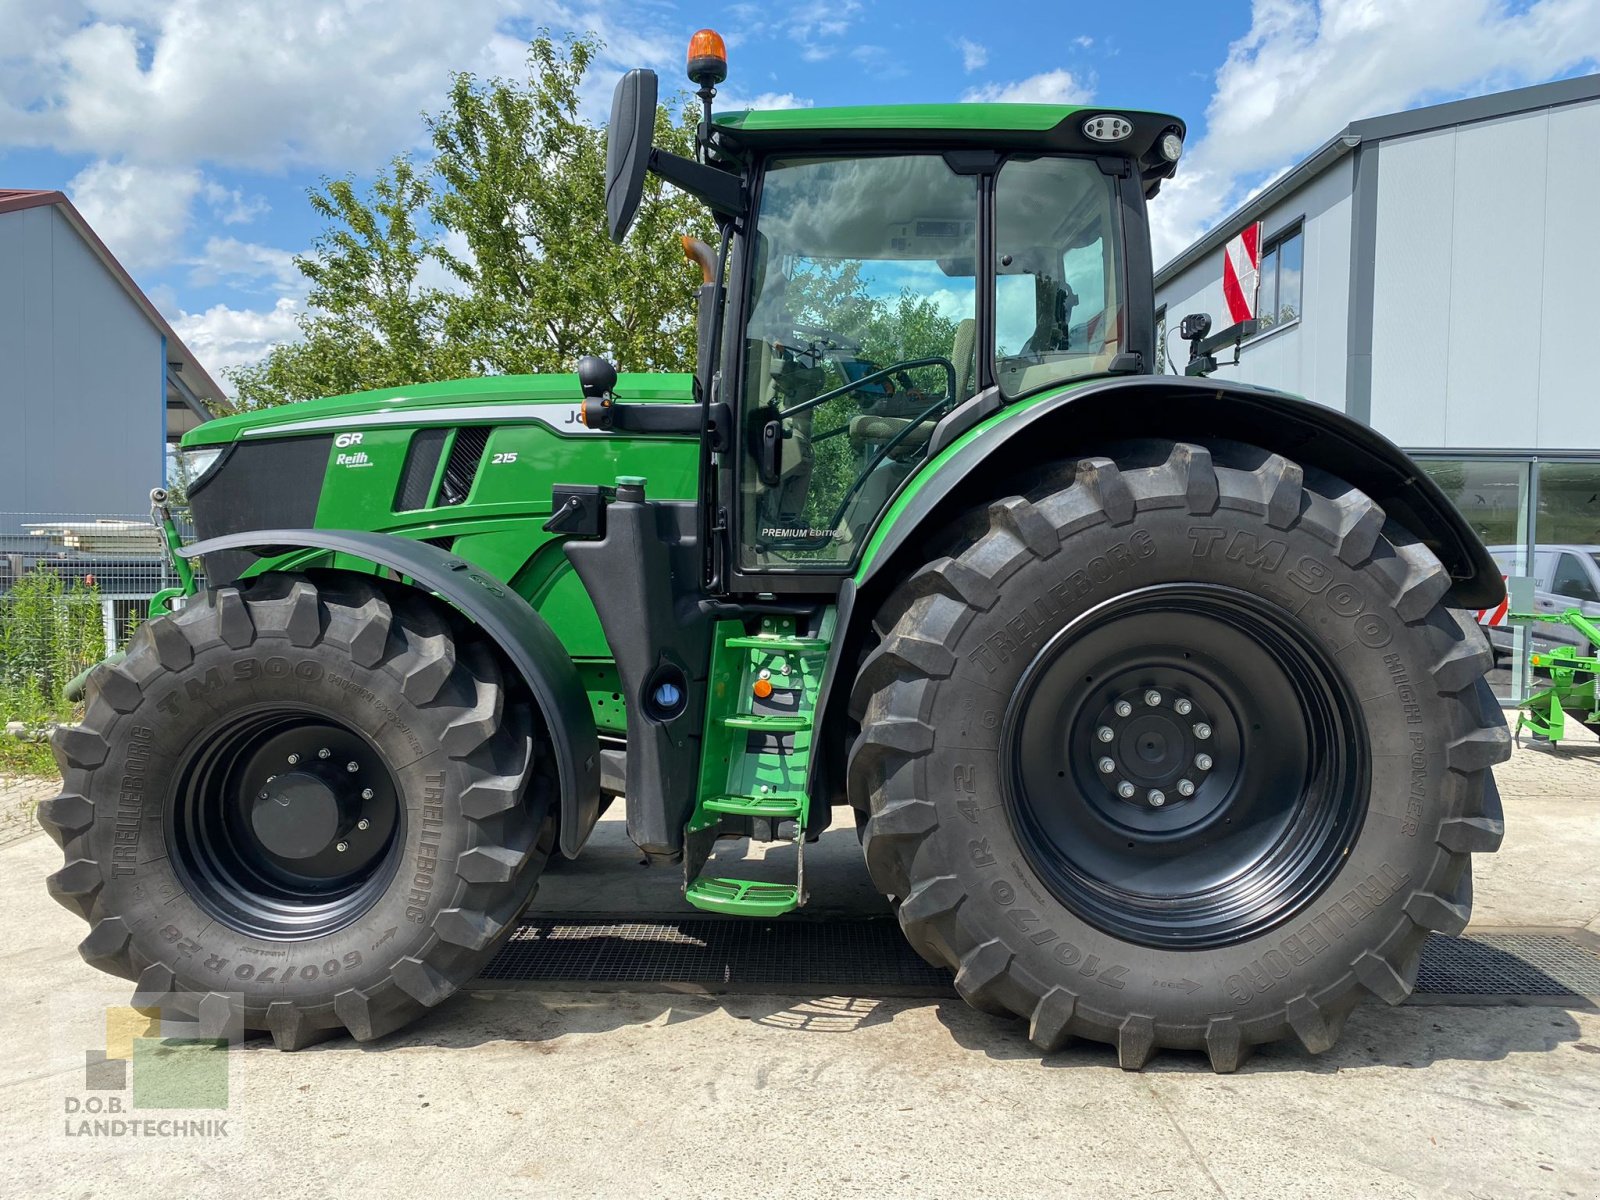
x=1058, y=302
x=860, y=336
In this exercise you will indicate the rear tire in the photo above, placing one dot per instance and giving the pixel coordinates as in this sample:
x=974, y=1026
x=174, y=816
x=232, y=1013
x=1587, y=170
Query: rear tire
x=1301, y=625
x=301, y=807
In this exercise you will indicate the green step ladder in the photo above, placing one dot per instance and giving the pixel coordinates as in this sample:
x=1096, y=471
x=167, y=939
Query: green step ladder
x=742, y=778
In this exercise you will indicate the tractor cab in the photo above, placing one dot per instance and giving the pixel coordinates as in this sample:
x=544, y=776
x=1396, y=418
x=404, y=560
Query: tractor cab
x=886, y=278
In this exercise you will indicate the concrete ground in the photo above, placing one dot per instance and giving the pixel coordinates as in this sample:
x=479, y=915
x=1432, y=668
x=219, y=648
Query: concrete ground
x=527, y=1091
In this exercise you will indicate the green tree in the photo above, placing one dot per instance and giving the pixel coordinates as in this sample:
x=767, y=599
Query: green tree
x=510, y=214
x=370, y=322
x=522, y=181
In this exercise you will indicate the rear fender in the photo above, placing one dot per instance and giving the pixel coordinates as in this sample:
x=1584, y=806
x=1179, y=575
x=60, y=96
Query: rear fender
x=984, y=451
x=1078, y=419
x=522, y=635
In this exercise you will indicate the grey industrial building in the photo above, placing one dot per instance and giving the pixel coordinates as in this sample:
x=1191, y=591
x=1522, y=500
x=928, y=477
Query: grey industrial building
x=1433, y=273
x=96, y=383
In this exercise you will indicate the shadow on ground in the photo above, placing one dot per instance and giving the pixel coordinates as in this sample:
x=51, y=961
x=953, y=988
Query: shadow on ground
x=1375, y=1036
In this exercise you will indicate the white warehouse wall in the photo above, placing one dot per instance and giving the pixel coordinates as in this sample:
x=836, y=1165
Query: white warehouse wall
x=1307, y=358
x=1483, y=310
x=82, y=394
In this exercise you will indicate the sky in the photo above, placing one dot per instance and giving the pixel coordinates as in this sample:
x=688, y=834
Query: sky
x=188, y=131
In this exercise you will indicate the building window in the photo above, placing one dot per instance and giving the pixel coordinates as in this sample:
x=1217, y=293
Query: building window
x=1282, y=265
x=1163, y=356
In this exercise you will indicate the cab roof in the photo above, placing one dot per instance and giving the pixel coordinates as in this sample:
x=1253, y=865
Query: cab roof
x=999, y=127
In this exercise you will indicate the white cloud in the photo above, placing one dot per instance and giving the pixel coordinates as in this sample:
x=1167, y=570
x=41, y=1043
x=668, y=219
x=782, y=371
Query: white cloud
x=230, y=261
x=1305, y=70
x=231, y=206
x=223, y=337
x=1083, y=41
x=140, y=212
x=268, y=84
x=733, y=101
x=973, y=55
x=1051, y=87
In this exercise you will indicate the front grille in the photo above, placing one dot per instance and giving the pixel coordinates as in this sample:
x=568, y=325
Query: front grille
x=270, y=483
x=466, y=454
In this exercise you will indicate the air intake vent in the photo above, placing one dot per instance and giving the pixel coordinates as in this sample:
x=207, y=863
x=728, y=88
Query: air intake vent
x=416, y=477
x=462, y=467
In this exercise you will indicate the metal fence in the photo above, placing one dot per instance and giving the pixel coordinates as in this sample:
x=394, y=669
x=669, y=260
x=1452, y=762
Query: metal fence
x=114, y=561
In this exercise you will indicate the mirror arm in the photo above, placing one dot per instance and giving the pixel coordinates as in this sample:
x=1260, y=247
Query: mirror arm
x=718, y=190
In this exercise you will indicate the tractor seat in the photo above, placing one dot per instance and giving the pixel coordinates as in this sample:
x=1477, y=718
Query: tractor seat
x=869, y=428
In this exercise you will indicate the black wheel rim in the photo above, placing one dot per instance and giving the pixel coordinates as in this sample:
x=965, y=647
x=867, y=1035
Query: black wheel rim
x=287, y=823
x=1185, y=766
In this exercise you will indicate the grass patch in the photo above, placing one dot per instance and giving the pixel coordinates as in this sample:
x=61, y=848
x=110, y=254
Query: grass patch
x=27, y=758
x=50, y=630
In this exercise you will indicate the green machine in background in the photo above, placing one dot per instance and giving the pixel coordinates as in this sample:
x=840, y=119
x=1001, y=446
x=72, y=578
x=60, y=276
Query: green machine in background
x=1572, y=681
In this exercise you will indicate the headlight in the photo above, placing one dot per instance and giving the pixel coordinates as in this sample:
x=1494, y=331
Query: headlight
x=1171, y=146
x=193, y=464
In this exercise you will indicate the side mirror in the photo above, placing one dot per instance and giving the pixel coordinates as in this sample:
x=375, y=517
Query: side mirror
x=628, y=144
x=596, y=377
x=1195, y=325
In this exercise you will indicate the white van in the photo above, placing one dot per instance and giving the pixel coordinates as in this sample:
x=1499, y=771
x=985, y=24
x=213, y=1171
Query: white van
x=1563, y=577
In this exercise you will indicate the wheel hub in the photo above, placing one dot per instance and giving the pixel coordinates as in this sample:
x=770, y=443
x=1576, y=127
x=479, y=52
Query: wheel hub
x=1155, y=744
x=1186, y=767
x=301, y=814
x=287, y=823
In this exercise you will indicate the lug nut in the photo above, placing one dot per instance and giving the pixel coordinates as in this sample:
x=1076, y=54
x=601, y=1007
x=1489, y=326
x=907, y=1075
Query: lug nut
x=1185, y=787
x=293, y=758
x=352, y=767
x=366, y=793
x=1123, y=708
x=1106, y=766
x=1184, y=708
x=324, y=753
x=1203, y=761
x=1157, y=798
x=1105, y=733
x=1153, y=698
x=342, y=847
x=263, y=796
x=1125, y=790
x=1202, y=731
x=366, y=824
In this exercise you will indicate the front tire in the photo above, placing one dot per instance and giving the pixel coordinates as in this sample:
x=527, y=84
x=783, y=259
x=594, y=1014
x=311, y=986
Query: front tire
x=1108, y=887
x=301, y=806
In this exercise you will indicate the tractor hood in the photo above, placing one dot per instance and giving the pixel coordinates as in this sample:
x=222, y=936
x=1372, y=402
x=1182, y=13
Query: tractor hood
x=399, y=403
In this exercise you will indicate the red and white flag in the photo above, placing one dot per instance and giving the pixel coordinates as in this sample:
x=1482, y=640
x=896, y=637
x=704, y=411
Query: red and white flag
x=1241, y=273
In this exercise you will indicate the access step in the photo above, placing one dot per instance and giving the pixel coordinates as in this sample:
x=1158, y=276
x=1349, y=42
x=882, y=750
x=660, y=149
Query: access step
x=743, y=897
x=758, y=806
x=779, y=642
x=766, y=724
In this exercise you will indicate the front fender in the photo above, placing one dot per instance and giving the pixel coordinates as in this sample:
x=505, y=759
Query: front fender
x=520, y=632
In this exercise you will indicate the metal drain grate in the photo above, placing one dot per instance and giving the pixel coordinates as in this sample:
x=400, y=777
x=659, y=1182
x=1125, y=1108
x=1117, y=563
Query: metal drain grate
x=1509, y=964
x=861, y=956
x=739, y=954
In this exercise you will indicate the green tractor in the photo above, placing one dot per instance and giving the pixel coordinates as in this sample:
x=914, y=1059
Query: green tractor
x=1158, y=701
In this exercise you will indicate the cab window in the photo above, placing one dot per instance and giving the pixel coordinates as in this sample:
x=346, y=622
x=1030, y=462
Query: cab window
x=1058, y=305
x=860, y=337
